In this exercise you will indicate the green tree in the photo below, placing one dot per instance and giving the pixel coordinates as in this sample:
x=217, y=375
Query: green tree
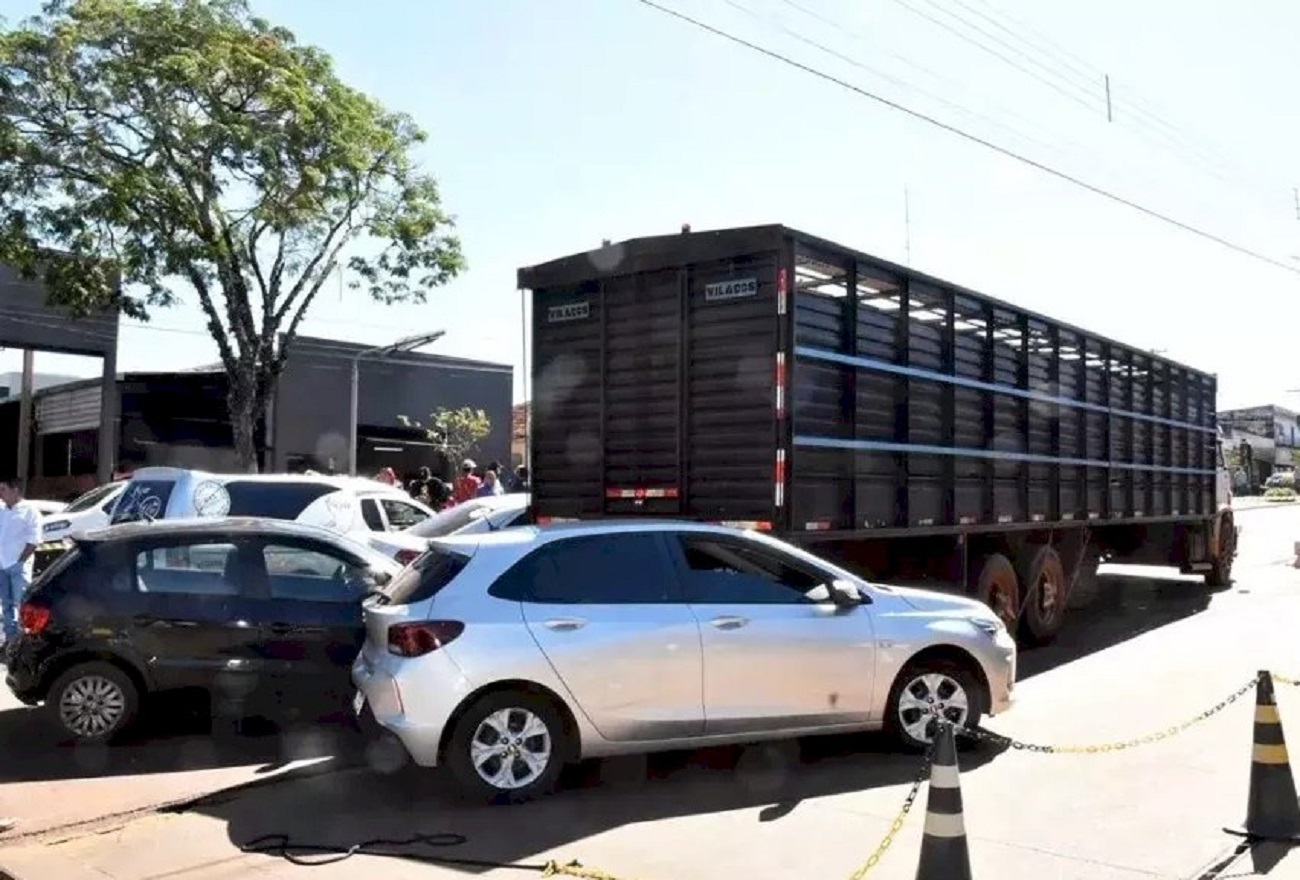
x=197, y=152
x=457, y=432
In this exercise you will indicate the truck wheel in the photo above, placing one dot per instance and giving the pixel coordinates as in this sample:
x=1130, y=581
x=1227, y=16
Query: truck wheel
x=1221, y=574
x=999, y=588
x=1047, y=588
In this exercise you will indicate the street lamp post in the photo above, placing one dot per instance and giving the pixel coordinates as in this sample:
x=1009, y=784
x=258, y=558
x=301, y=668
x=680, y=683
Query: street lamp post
x=408, y=343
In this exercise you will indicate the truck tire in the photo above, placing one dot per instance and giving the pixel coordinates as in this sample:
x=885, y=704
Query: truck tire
x=999, y=588
x=1046, y=590
x=1221, y=574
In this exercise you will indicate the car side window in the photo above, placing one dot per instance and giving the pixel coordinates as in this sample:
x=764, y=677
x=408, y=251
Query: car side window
x=198, y=569
x=722, y=571
x=300, y=573
x=401, y=515
x=619, y=569
x=370, y=513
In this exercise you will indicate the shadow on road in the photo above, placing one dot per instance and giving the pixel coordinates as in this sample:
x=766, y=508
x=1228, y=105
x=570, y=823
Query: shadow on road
x=1125, y=607
x=178, y=738
x=332, y=813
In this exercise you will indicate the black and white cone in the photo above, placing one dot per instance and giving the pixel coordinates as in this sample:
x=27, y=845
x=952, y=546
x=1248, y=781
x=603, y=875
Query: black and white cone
x=944, y=855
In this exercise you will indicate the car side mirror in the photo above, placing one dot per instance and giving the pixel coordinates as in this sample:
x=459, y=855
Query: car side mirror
x=845, y=593
x=376, y=578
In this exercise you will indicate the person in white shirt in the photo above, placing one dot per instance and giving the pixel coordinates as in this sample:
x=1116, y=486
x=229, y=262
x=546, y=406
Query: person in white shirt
x=20, y=529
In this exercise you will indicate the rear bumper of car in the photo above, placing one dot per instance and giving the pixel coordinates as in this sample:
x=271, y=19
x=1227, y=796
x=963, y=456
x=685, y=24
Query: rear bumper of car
x=25, y=666
x=412, y=700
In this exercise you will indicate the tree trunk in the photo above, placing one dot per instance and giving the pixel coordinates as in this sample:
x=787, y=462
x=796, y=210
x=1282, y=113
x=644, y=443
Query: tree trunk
x=247, y=408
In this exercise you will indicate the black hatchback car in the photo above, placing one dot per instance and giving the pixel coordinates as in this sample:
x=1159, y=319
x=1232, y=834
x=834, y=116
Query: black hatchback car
x=259, y=614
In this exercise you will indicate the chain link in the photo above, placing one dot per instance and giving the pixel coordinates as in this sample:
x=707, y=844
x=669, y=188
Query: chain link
x=897, y=825
x=574, y=869
x=1282, y=679
x=1117, y=746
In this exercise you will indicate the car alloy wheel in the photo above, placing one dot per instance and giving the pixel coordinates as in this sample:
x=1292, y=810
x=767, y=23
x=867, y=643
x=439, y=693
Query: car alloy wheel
x=928, y=699
x=510, y=746
x=511, y=749
x=94, y=705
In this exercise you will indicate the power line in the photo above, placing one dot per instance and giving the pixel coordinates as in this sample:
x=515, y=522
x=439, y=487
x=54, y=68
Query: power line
x=1088, y=85
x=1059, y=143
x=1082, y=71
x=965, y=135
x=902, y=84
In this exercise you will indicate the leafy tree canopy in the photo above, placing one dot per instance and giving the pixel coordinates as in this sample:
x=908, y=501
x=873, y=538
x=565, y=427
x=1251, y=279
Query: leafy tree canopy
x=457, y=432
x=193, y=150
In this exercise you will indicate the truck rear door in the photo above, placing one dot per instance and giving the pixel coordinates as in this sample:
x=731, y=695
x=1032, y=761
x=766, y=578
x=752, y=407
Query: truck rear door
x=654, y=393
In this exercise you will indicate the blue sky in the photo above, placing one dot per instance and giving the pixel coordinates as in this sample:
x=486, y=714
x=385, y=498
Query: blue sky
x=556, y=124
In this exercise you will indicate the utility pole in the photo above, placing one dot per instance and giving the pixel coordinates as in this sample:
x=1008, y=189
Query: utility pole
x=1110, y=117
x=25, y=420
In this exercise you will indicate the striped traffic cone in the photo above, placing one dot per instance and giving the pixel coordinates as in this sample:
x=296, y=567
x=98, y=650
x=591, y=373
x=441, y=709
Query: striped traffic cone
x=1272, y=809
x=944, y=855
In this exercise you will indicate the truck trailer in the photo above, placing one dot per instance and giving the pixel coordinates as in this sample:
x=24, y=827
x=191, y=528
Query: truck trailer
x=904, y=426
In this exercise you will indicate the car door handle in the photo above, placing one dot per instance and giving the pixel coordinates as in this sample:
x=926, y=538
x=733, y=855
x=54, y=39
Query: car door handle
x=147, y=620
x=565, y=624
x=729, y=621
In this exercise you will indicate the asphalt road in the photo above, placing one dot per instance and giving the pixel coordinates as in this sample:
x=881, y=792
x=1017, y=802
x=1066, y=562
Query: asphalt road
x=1156, y=650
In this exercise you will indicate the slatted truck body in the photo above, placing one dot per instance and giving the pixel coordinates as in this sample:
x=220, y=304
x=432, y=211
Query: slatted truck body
x=911, y=428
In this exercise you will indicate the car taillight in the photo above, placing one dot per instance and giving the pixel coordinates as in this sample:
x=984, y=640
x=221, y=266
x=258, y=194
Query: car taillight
x=33, y=618
x=418, y=639
x=406, y=557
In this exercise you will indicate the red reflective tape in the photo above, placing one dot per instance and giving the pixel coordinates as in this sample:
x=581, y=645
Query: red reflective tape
x=778, y=479
x=820, y=525
x=642, y=492
x=780, y=384
x=756, y=525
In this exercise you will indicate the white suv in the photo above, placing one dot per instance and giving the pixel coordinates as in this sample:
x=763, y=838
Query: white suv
x=348, y=505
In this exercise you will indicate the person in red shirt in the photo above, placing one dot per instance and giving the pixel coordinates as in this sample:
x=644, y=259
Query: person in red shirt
x=467, y=485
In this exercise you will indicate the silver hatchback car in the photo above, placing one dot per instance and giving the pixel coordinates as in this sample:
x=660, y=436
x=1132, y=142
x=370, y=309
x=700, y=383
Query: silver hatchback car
x=506, y=655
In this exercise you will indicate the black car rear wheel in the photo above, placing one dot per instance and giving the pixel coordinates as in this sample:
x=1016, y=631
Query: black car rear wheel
x=93, y=702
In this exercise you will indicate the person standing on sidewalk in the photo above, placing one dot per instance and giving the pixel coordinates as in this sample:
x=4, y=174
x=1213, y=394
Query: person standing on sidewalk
x=20, y=529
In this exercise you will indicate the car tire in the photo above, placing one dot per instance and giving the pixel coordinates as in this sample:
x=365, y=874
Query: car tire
x=937, y=676
x=504, y=712
x=93, y=702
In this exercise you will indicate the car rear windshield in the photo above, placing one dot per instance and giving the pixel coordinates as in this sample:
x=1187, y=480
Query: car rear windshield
x=143, y=499
x=273, y=500
x=426, y=576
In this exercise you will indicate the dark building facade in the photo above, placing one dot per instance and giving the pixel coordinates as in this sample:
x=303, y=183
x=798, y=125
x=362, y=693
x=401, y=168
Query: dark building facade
x=180, y=419
x=28, y=323
x=313, y=399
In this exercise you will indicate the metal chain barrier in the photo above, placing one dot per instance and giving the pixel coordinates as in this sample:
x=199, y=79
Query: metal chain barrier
x=1282, y=679
x=897, y=825
x=1117, y=746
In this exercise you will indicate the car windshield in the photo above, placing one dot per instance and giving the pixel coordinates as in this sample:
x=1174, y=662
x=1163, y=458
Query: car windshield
x=91, y=498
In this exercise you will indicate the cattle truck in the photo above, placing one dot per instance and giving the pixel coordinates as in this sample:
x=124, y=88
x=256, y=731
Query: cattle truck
x=911, y=429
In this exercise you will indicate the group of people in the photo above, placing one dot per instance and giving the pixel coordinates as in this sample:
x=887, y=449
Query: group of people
x=471, y=482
